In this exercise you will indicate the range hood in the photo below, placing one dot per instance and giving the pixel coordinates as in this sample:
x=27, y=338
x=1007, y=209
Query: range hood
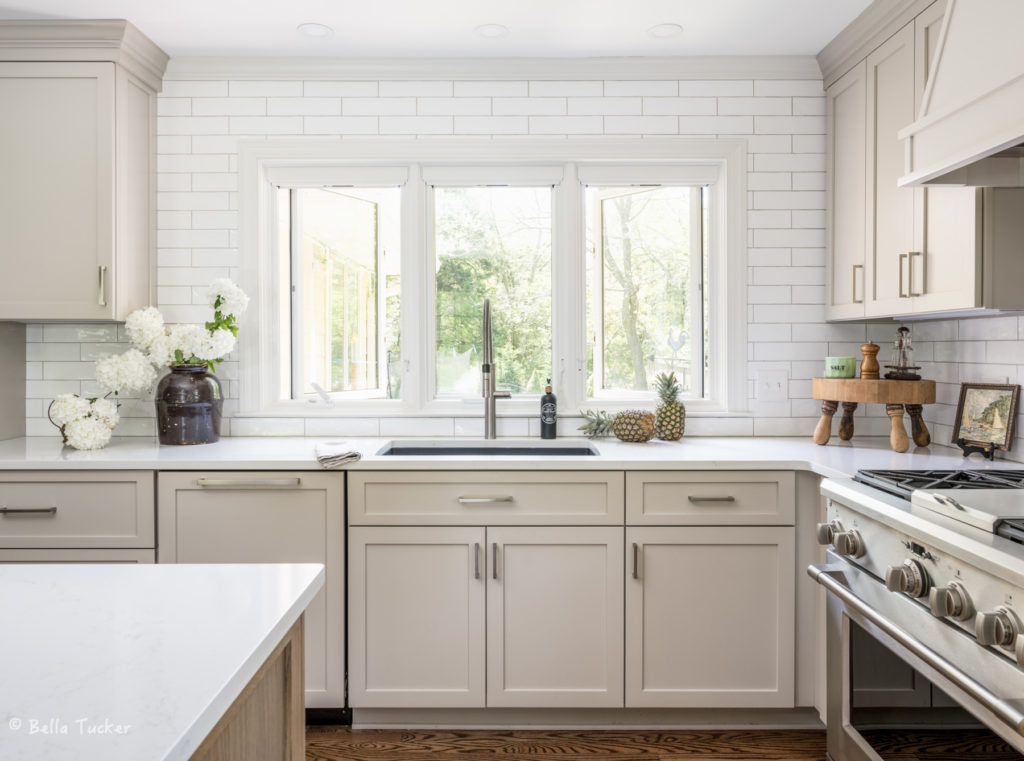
x=970, y=130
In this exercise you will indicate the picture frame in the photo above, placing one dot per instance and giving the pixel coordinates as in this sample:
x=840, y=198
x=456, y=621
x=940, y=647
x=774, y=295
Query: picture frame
x=985, y=415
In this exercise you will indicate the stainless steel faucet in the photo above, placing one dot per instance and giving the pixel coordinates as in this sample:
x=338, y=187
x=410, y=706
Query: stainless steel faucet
x=490, y=394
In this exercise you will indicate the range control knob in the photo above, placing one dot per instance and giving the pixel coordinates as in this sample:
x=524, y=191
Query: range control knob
x=827, y=531
x=848, y=543
x=1000, y=627
x=1019, y=650
x=951, y=602
x=909, y=578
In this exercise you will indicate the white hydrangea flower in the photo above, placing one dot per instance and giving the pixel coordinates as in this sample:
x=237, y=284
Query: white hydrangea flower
x=215, y=345
x=67, y=408
x=185, y=338
x=232, y=298
x=144, y=326
x=105, y=411
x=128, y=372
x=87, y=433
x=160, y=352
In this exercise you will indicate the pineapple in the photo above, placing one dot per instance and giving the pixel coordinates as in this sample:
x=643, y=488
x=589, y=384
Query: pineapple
x=671, y=414
x=634, y=425
x=598, y=425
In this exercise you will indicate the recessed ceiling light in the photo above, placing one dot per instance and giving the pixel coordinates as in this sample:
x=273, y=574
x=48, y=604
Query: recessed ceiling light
x=664, y=30
x=314, y=30
x=492, y=31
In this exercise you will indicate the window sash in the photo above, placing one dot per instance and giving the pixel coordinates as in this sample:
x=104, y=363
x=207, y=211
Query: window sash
x=695, y=298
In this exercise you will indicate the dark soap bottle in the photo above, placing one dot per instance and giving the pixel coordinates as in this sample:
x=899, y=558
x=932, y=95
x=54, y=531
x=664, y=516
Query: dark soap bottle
x=548, y=410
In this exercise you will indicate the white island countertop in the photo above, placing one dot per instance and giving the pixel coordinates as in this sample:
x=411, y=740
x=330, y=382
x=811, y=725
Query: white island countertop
x=837, y=459
x=134, y=663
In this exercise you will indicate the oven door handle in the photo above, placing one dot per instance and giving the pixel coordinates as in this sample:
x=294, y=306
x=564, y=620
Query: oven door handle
x=1008, y=711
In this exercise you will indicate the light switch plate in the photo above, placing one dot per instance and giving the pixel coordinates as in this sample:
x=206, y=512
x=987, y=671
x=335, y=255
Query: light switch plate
x=771, y=385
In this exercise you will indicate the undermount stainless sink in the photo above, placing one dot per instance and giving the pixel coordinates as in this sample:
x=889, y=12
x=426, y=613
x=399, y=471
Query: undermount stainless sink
x=486, y=448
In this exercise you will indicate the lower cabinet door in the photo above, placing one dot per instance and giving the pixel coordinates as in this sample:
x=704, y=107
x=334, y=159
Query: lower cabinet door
x=554, y=617
x=416, y=617
x=225, y=517
x=710, y=617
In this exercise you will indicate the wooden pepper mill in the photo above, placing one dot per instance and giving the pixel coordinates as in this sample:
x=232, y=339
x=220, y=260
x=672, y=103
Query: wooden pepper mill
x=869, y=368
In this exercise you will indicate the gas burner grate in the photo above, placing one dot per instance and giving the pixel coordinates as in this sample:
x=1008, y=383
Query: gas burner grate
x=902, y=482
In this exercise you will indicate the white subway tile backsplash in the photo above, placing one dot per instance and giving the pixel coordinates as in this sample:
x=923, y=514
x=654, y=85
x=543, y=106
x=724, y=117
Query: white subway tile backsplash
x=556, y=88
x=491, y=89
x=491, y=125
x=416, y=89
x=783, y=87
x=791, y=125
x=303, y=106
x=716, y=125
x=316, y=89
x=229, y=106
x=529, y=106
x=626, y=87
x=340, y=125
x=604, y=106
x=755, y=106
x=453, y=106
x=566, y=125
x=677, y=106
x=279, y=88
x=721, y=88
x=266, y=125
x=636, y=125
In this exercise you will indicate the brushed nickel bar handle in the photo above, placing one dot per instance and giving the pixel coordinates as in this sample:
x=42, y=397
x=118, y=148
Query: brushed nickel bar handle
x=636, y=560
x=247, y=483
x=476, y=560
x=52, y=510
x=910, y=274
x=484, y=500
x=101, y=296
x=831, y=577
x=853, y=283
x=494, y=561
x=694, y=499
x=900, y=268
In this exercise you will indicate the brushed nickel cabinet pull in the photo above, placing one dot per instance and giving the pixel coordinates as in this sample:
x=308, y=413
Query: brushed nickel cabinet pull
x=484, y=500
x=910, y=273
x=476, y=560
x=900, y=267
x=853, y=283
x=101, y=296
x=494, y=561
x=52, y=510
x=247, y=483
x=692, y=498
x=636, y=560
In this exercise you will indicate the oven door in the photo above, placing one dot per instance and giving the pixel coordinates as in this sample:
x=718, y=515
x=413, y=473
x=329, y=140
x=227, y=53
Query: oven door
x=902, y=684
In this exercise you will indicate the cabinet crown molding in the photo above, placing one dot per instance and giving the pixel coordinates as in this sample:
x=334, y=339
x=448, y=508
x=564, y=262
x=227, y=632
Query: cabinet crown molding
x=114, y=40
x=875, y=25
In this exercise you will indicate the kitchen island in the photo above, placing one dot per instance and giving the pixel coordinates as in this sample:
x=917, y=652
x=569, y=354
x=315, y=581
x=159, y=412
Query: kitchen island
x=153, y=662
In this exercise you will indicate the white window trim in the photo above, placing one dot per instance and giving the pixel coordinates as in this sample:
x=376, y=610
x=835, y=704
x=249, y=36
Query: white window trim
x=259, y=359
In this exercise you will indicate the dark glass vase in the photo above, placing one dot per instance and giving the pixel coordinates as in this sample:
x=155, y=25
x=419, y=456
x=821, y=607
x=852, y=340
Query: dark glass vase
x=188, y=406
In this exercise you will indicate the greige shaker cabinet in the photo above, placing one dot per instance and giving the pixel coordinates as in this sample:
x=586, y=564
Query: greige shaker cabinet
x=894, y=251
x=78, y=150
x=268, y=517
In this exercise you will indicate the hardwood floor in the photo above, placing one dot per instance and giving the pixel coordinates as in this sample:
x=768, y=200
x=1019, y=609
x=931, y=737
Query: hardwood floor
x=346, y=744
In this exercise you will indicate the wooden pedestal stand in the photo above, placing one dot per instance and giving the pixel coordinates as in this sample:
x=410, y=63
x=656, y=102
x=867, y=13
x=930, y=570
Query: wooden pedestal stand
x=896, y=395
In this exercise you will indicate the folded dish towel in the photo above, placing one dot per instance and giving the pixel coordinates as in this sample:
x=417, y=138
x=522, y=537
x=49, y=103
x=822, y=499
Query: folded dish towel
x=336, y=454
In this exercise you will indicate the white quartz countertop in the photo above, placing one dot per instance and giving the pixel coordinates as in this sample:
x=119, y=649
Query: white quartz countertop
x=836, y=459
x=134, y=662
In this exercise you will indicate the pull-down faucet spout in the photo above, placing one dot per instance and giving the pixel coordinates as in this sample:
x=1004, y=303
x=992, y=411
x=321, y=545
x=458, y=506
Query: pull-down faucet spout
x=487, y=368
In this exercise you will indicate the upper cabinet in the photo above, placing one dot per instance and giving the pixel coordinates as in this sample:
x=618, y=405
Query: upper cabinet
x=895, y=251
x=78, y=145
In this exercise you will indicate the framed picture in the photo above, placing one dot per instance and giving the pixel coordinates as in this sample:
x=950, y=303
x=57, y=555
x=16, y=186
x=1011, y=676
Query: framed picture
x=986, y=413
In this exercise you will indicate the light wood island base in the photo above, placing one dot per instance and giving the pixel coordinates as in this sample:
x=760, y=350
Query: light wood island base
x=267, y=721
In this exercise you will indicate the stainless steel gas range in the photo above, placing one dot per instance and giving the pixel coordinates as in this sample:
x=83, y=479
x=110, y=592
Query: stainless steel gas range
x=925, y=615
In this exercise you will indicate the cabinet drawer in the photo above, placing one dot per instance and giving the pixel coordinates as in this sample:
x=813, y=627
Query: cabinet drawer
x=719, y=498
x=486, y=497
x=95, y=509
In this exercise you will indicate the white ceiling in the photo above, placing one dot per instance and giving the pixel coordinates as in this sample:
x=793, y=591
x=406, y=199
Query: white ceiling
x=444, y=28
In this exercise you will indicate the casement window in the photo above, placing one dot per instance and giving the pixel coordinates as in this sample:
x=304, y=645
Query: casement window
x=605, y=263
